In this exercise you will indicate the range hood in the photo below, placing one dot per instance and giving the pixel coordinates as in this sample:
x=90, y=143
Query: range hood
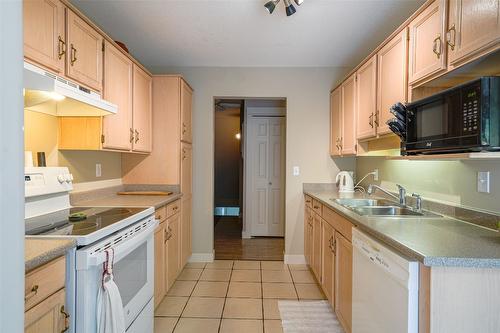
x=51, y=94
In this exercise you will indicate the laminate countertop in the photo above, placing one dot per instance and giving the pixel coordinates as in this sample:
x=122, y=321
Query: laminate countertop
x=442, y=241
x=116, y=200
x=39, y=251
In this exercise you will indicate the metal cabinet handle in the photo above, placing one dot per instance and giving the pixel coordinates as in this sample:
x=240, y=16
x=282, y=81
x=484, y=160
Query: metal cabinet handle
x=136, y=136
x=61, y=48
x=437, y=50
x=73, y=57
x=370, y=122
x=32, y=293
x=184, y=154
x=184, y=128
x=377, y=116
x=131, y=135
x=66, y=319
x=449, y=39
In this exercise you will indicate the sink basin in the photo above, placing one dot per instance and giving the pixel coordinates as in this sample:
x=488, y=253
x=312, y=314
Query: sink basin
x=350, y=203
x=391, y=211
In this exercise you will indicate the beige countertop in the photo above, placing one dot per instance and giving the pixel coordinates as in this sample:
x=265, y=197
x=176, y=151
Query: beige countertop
x=116, y=200
x=436, y=241
x=39, y=251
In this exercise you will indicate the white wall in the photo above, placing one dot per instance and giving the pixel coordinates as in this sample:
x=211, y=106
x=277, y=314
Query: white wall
x=307, y=93
x=11, y=168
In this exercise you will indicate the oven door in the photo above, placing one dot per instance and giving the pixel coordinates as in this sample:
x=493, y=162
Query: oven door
x=133, y=274
x=445, y=122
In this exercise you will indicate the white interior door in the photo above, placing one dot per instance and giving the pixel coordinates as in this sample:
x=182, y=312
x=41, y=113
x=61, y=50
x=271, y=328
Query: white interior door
x=265, y=162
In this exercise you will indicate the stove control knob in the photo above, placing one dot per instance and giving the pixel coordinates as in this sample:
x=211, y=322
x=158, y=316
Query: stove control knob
x=70, y=177
x=61, y=179
x=67, y=178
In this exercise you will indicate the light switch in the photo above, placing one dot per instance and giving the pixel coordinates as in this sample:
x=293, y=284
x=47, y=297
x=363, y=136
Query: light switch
x=296, y=171
x=483, y=181
x=98, y=171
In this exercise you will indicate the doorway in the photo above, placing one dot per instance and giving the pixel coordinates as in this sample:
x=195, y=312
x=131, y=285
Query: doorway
x=249, y=188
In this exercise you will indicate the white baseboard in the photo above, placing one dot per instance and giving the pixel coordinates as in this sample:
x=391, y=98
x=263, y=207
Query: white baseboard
x=202, y=257
x=295, y=259
x=245, y=235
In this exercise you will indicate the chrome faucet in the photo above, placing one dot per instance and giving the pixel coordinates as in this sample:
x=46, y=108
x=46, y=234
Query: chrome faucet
x=402, y=193
x=418, y=205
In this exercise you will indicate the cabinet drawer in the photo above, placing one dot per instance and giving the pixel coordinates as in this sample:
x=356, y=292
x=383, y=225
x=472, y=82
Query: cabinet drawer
x=339, y=223
x=173, y=208
x=161, y=213
x=308, y=201
x=317, y=206
x=43, y=282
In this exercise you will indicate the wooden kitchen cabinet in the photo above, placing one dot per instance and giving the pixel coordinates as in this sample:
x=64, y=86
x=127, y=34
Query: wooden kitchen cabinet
x=186, y=112
x=343, y=281
x=473, y=27
x=335, y=122
x=308, y=235
x=392, y=69
x=316, y=246
x=328, y=262
x=84, y=52
x=186, y=169
x=44, y=35
x=427, y=56
x=117, y=128
x=49, y=316
x=142, y=110
x=186, y=229
x=173, y=249
x=160, y=289
x=366, y=100
x=348, y=124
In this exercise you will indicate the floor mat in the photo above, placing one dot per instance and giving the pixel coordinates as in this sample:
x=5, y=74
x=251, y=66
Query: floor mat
x=308, y=316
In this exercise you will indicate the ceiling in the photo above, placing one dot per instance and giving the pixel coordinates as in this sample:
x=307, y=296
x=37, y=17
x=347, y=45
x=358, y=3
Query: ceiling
x=240, y=33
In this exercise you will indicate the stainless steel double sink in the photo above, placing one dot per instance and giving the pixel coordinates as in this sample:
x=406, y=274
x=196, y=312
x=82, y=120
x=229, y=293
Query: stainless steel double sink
x=382, y=208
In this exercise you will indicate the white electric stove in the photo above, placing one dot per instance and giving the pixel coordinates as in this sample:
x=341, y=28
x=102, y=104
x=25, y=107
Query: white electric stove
x=127, y=230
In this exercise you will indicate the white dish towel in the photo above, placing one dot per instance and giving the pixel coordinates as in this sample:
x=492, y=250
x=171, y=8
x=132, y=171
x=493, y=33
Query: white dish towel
x=110, y=317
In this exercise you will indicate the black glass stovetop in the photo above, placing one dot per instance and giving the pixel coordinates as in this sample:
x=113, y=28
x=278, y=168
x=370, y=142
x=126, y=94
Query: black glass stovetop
x=84, y=221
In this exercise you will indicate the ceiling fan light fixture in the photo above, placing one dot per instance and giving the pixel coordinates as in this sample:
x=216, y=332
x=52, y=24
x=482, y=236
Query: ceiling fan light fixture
x=290, y=9
x=271, y=5
x=299, y=2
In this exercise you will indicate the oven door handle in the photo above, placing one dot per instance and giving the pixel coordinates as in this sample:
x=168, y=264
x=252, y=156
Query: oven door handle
x=85, y=260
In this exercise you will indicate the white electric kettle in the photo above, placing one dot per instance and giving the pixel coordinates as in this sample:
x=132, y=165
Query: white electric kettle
x=346, y=184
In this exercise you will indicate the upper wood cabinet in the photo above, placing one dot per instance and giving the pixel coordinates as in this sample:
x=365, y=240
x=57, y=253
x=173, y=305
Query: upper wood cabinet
x=117, y=129
x=84, y=52
x=142, y=110
x=473, y=26
x=392, y=72
x=44, y=35
x=366, y=99
x=427, y=42
x=343, y=281
x=348, y=124
x=186, y=112
x=335, y=121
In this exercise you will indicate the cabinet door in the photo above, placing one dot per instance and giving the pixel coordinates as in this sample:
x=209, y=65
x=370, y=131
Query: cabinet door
x=160, y=288
x=472, y=27
x=427, y=42
x=44, y=37
x=142, y=110
x=366, y=98
x=307, y=230
x=186, y=168
x=348, y=140
x=117, y=89
x=186, y=229
x=343, y=281
x=48, y=316
x=84, y=54
x=186, y=112
x=173, y=248
x=328, y=262
x=316, y=246
x=391, y=79
x=335, y=121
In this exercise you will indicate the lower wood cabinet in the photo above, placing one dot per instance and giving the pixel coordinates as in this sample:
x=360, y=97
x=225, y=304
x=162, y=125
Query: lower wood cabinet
x=308, y=234
x=316, y=246
x=49, y=316
x=173, y=249
x=186, y=230
x=343, y=281
x=160, y=262
x=328, y=262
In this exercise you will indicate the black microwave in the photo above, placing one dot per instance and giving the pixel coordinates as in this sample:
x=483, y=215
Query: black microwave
x=465, y=118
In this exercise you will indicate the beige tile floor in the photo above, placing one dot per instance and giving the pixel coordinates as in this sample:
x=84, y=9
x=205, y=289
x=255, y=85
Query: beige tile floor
x=233, y=296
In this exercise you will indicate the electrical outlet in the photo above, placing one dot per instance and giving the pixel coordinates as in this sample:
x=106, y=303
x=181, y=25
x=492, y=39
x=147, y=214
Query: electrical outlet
x=375, y=175
x=98, y=171
x=483, y=181
x=296, y=171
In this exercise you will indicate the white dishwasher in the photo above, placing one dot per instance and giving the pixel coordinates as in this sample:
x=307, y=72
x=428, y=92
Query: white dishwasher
x=385, y=289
